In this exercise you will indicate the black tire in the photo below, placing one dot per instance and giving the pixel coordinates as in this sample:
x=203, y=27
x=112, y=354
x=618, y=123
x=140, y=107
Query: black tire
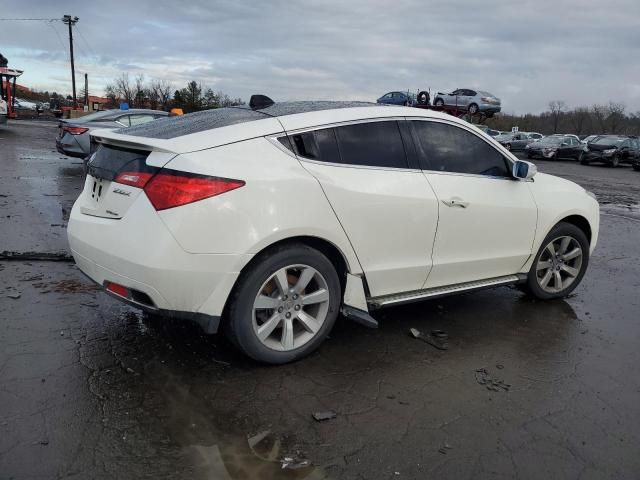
x=424, y=98
x=239, y=322
x=473, y=109
x=529, y=156
x=508, y=146
x=584, y=162
x=615, y=161
x=439, y=102
x=636, y=167
x=561, y=229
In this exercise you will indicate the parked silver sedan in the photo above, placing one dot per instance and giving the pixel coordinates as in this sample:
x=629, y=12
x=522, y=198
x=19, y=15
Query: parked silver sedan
x=475, y=101
x=73, y=134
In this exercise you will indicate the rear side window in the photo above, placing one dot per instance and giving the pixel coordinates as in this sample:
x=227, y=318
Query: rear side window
x=318, y=145
x=447, y=148
x=376, y=144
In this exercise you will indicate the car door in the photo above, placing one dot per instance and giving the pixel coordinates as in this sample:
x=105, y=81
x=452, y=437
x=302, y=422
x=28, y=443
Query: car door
x=487, y=219
x=625, y=151
x=576, y=148
x=384, y=203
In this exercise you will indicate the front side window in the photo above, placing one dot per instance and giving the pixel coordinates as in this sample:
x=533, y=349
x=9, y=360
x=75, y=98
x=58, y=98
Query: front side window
x=376, y=144
x=447, y=148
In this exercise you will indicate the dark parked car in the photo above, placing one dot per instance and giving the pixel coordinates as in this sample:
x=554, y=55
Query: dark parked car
x=73, y=134
x=514, y=141
x=398, y=98
x=555, y=147
x=612, y=150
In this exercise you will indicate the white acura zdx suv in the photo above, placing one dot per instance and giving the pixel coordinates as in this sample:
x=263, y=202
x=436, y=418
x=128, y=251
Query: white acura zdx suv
x=267, y=221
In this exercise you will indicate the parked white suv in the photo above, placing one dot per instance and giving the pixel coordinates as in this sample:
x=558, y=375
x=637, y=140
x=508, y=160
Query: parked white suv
x=268, y=222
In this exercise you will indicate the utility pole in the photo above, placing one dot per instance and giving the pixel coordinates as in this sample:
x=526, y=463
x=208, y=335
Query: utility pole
x=71, y=21
x=86, y=91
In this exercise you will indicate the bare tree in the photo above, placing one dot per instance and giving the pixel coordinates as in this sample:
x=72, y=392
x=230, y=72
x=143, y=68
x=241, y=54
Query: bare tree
x=161, y=91
x=123, y=89
x=599, y=113
x=615, y=116
x=579, y=118
x=556, y=109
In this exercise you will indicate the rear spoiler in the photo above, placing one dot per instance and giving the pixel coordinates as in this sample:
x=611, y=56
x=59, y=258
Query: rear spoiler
x=110, y=137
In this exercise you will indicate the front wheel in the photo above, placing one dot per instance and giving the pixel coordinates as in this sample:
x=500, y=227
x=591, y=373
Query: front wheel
x=285, y=305
x=473, y=109
x=615, y=161
x=560, y=263
x=439, y=102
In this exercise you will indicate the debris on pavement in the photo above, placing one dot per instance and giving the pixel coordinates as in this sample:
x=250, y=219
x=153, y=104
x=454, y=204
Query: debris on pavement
x=444, y=448
x=15, y=296
x=322, y=416
x=495, y=385
x=36, y=256
x=294, y=461
x=437, y=338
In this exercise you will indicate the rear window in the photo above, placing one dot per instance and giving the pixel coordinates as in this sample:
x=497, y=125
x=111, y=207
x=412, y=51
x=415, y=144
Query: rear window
x=109, y=160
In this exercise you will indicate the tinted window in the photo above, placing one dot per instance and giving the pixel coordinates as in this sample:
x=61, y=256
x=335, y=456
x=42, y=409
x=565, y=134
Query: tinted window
x=447, y=148
x=318, y=145
x=376, y=144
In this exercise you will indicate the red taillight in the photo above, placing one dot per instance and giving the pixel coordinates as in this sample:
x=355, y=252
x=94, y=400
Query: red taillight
x=168, y=190
x=75, y=130
x=135, y=179
x=117, y=289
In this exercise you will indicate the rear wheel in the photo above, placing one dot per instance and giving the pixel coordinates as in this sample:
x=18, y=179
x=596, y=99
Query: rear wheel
x=560, y=263
x=473, y=109
x=285, y=305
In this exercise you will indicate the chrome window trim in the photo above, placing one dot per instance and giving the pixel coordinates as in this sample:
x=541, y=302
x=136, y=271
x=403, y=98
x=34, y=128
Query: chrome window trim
x=274, y=140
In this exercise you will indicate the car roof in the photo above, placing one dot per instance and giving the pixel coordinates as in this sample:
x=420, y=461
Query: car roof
x=211, y=128
x=222, y=117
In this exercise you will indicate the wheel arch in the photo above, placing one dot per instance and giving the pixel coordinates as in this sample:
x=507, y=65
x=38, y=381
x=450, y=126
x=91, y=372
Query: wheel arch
x=579, y=221
x=327, y=248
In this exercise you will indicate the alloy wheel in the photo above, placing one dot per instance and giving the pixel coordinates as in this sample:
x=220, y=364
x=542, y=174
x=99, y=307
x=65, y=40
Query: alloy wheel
x=290, y=308
x=559, y=264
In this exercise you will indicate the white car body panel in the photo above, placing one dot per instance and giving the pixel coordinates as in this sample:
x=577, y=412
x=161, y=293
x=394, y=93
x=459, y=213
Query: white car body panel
x=390, y=216
x=490, y=237
x=274, y=205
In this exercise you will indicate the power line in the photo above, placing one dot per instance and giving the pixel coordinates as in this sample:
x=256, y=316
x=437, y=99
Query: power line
x=29, y=20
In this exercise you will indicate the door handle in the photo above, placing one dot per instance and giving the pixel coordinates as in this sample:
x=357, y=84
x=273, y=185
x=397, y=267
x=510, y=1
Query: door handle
x=456, y=202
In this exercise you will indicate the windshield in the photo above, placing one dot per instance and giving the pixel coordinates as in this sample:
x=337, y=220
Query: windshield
x=608, y=140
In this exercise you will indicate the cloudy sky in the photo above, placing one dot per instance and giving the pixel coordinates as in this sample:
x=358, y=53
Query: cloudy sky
x=527, y=53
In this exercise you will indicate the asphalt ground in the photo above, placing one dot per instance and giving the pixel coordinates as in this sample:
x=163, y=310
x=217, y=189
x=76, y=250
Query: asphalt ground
x=93, y=389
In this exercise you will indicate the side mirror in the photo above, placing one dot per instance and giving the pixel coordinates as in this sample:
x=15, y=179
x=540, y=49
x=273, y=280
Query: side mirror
x=524, y=170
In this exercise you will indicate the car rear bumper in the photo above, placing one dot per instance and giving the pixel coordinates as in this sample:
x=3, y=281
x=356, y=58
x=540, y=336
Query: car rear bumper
x=489, y=108
x=139, y=253
x=70, y=147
